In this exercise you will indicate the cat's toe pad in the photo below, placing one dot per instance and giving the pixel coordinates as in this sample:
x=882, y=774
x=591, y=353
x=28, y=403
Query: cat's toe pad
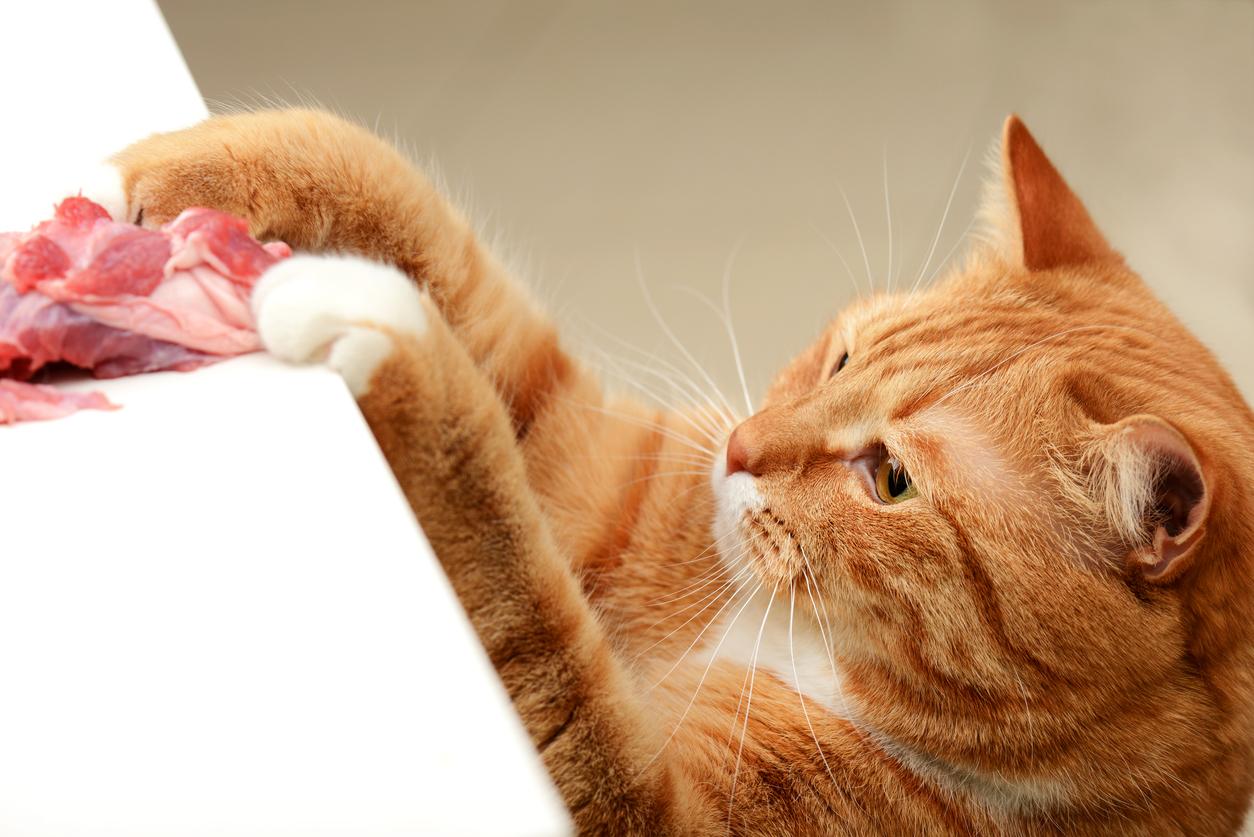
x=313, y=308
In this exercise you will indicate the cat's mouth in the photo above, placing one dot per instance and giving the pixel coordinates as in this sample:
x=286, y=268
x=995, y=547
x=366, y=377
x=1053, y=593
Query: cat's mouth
x=776, y=553
x=750, y=536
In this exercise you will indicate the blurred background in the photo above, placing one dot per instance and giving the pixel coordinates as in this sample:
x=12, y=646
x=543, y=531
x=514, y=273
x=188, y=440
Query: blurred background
x=603, y=142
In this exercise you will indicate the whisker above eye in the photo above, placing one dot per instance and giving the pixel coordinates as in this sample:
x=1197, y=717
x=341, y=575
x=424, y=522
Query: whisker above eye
x=941, y=227
x=948, y=253
x=888, y=210
x=866, y=261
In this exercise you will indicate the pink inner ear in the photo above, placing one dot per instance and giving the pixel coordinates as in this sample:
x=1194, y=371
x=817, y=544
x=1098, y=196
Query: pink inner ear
x=1056, y=228
x=1180, y=499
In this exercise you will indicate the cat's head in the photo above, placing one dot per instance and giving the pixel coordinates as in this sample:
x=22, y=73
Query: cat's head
x=1018, y=499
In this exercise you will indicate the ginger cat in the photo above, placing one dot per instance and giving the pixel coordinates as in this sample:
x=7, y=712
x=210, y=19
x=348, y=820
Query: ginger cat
x=982, y=563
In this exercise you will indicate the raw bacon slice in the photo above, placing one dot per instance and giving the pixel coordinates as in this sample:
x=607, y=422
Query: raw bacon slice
x=117, y=299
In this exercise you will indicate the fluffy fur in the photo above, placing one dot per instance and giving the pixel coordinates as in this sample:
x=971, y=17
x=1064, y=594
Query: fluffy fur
x=1053, y=636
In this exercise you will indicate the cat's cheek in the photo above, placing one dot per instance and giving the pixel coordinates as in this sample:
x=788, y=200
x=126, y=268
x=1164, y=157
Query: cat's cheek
x=340, y=310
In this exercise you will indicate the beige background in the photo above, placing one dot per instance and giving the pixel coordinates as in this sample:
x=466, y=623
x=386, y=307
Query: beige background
x=587, y=134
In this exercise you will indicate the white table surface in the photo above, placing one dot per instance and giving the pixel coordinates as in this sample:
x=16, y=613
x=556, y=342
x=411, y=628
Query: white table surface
x=217, y=614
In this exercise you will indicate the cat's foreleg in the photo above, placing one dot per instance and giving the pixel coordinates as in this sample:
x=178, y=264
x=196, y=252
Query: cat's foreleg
x=451, y=445
x=324, y=184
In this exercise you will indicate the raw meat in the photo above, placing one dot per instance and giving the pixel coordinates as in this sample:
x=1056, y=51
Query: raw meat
x=118, y=299
x=20, y=401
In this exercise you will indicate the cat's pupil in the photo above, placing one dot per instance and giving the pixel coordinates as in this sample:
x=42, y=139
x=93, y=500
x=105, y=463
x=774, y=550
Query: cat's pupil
x=898, y=481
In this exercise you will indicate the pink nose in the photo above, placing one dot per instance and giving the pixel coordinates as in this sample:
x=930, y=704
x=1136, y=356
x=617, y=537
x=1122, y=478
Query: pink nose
x=737, y=452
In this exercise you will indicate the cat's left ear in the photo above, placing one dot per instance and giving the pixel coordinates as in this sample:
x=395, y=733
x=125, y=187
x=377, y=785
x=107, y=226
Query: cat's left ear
x=1036, y=220
x=1157, y=494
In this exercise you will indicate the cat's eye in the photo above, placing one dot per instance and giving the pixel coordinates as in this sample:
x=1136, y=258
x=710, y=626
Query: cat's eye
x=840, y=364
x=892, y=481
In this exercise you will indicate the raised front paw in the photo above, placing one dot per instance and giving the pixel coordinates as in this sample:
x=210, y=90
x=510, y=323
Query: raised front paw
x=291, y=173
x=341, y=310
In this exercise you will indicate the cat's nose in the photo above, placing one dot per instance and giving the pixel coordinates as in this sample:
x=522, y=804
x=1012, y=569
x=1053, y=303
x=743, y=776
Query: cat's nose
x=738, y=452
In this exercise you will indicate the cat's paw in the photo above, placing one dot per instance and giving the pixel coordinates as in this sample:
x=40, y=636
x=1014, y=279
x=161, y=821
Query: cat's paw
x=342, y=310
x=283, y=171
x=212, y=164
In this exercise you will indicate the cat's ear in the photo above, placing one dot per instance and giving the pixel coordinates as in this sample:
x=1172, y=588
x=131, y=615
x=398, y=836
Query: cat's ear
x=1157, y=495
x=1034, y=218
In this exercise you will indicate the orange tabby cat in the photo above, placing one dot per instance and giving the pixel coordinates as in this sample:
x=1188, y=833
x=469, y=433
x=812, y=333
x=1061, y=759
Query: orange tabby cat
x=983, y=561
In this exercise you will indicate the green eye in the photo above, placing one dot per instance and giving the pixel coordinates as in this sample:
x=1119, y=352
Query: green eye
x=892, y=482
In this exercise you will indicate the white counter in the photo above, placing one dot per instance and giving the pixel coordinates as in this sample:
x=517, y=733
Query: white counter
x=217, y=614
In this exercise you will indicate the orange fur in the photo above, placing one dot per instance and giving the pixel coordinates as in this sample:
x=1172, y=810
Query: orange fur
x=1054, y=636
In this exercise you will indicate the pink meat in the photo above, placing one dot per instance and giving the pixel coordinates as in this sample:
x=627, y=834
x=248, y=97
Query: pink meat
x=20, y=401
x=35, y=331
x=118, y=299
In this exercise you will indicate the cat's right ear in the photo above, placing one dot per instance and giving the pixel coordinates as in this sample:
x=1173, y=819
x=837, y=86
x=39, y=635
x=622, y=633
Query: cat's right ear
x=1034, y=219
x=1157, y=495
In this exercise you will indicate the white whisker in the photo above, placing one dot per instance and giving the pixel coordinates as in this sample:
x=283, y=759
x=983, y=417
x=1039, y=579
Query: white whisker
x=888, y=210
x=944, y=261
x=707, y=427
x=731, y=798
x=656, y=475
x=826, y=635
x=720, y=582
x=708, y=552
x=727, y=416
x=698, y=637
x=866, y=261
x=645, y=423
x=709, y=665
x=792, y=600
x=670, y=334
x=944, y=215
x=857, y=287
x=676, y=595
x=713, y=597
x=731, y=333
x=678, y=457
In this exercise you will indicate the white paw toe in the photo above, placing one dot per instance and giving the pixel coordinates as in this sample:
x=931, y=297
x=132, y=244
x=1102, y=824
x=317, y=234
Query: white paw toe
x=103, y=184
x=323, y=307
x=357, y=355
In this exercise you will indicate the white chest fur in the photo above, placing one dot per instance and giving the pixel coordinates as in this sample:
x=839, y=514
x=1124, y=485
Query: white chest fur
x=781, y=637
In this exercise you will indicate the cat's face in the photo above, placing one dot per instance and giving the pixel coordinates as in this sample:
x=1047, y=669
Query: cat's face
x=992, y=492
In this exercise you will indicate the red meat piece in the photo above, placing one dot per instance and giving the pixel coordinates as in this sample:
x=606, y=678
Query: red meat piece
x=117, y=299
x=132, y=262
x=35, y=259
